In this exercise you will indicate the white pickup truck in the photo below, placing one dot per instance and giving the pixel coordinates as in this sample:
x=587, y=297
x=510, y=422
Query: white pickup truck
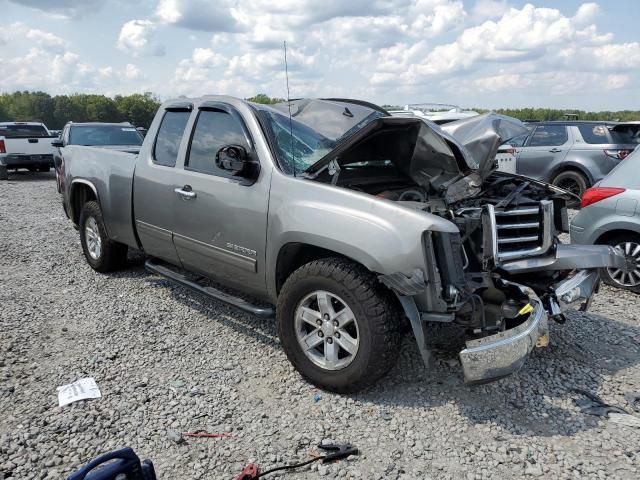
x=25, y=145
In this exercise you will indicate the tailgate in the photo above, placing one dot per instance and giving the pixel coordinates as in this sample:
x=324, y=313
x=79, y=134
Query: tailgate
x=28, y=146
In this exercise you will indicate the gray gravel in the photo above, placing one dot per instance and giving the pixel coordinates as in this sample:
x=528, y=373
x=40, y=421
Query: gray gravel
x=168, y=361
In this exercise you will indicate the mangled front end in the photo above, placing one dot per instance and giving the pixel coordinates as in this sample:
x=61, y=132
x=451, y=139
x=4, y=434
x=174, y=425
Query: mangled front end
x=506, y=273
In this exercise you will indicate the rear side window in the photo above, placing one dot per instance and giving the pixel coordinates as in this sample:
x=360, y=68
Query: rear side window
x=169, y=137
x=549, y=136
x=23, y=131
x=214, y=129
x=595, y=134
x=626, y=134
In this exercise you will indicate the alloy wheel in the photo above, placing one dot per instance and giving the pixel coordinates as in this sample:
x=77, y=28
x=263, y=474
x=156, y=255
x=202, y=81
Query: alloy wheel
x=92, y=235
x=629, y=276
x=327, y=330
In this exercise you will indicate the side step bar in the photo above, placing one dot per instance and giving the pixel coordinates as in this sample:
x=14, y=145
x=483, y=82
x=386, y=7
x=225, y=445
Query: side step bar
x=154, y=266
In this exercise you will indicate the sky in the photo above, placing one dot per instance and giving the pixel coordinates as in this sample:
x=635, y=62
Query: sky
x=473, y=53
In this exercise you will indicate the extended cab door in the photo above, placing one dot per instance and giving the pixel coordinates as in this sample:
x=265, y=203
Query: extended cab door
x=153, y=189
x=220, y=220
x=547, y=146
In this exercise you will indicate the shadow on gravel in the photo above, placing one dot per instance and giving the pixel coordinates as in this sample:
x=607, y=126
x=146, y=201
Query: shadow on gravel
x=536, y=401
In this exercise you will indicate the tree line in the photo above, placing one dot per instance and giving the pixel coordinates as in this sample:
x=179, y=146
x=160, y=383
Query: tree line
x=139, y=109
x=56, y=111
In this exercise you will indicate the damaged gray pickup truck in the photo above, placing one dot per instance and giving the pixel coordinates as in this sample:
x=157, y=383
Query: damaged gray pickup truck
x=347, y=224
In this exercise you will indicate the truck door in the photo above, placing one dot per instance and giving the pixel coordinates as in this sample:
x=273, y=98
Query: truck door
x=220, y=221
x=545, y=148
x=153, y=189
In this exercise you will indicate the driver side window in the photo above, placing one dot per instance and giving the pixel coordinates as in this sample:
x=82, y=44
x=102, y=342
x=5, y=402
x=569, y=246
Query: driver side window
x=214, y=129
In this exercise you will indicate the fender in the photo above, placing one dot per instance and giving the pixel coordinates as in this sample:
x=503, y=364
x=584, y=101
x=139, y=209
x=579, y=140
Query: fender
x=81, y=181
x=380, y=234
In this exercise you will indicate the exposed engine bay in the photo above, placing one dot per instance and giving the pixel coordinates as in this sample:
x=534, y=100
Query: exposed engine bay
x=502, y=218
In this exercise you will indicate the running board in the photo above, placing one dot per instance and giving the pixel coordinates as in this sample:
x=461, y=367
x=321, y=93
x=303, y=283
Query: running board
x=263, y=312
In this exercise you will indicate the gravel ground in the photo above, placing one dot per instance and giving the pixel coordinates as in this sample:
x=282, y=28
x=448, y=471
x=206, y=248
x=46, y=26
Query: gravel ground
x=168, y=360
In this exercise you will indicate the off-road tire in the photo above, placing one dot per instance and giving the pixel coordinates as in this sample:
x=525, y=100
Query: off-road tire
x=113, y=255
x=376, y=311
x=4, y=172
x=604, y=273
x=580, y=181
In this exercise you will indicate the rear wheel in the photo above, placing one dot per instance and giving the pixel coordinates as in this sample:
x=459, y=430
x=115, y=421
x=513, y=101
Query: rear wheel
x=573, y=182
x=4, y=173
x=628, y=277
x=102, y=253
x=339, y=327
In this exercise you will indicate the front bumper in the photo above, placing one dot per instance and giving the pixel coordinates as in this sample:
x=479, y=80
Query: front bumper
x=496, y=356
x=569, y=257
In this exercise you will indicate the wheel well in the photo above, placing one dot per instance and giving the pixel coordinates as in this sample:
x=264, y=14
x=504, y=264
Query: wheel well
x=575, y=169
x=293, y=255
x=80, y=194
x=608, y=236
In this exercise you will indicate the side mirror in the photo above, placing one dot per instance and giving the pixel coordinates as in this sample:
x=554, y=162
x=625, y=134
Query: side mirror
x=57, y=143
x=235, y=160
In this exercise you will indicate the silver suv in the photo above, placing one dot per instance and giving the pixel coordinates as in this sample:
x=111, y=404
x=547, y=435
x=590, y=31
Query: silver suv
x=573, y=155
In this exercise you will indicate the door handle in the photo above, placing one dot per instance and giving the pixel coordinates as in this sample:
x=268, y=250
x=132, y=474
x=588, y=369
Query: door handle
x=186, y=192
x=555, y=150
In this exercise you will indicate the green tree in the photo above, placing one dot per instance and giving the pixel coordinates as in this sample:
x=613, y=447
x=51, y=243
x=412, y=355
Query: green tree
x=264, y=98
x=137, y=109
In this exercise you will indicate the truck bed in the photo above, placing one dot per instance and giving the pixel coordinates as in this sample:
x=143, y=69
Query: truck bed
x=110, y=174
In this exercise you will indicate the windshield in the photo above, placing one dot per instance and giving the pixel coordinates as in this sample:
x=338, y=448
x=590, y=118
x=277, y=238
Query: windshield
x=316, y=128
x=104, y=135
x=23, y=131
x=303, y=149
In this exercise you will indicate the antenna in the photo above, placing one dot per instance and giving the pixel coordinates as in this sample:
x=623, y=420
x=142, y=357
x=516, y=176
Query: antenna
x=286, y=73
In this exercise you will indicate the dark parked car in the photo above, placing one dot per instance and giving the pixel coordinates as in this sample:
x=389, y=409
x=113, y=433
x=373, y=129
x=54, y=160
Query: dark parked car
x=573, y=154
x=122, y=137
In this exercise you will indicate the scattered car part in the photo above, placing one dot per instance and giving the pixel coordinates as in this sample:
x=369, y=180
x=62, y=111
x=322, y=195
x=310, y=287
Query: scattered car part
x=334, y=452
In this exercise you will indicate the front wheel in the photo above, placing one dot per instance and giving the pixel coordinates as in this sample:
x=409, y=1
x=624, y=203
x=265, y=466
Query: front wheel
x=629, y=276
x=339, y=327
x=102, y=253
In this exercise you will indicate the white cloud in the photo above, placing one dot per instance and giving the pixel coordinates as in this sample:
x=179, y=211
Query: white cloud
x=485, y=9
x=138, y=38
x=528, y=34
x=586, y=13
x=198, y=14
x=131, y=72
x=64, y=8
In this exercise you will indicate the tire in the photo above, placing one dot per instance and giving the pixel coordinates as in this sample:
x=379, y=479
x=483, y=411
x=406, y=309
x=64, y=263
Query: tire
x=44, y=169
x=4, y=173
x=572, y=181
x=626, y=279
x=33, y=169
x=375, y=326
x=109, y=255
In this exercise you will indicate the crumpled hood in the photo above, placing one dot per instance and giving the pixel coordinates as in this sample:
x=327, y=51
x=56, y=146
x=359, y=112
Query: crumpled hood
x=481, y=136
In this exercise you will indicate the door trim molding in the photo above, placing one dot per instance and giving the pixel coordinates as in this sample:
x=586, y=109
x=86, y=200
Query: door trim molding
x=219, y=254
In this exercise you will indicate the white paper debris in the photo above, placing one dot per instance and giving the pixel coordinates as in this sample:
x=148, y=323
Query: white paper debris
x=82, y=389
